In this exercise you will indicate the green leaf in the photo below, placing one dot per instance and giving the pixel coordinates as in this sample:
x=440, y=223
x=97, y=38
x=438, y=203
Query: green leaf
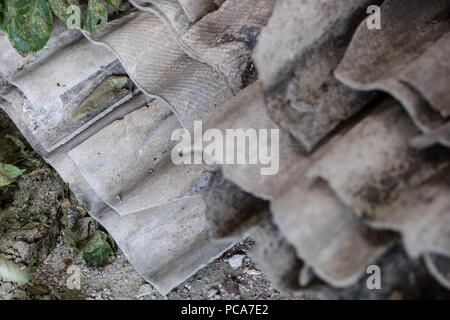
x=11, y=272
x=17, y=142
x=30, y=24
x=26, y=157
x=96, y=251
x=3, y=16
x=61, y=8
x=96, y=17
x=8, y=173
x=113, y=3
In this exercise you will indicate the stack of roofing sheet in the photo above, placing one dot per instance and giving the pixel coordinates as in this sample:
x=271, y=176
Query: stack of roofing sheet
x=102, y=111
x=357, y=171
x=341, y=197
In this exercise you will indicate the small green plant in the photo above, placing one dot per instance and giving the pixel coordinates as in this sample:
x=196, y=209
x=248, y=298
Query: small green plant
x=96, y=245
x=29, y=23
x=97, y=250
x=25, y=157
x=11, y=272
x=8, y=173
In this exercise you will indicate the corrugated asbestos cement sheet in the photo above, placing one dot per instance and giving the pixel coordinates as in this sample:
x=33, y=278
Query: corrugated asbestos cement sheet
x=357, y=172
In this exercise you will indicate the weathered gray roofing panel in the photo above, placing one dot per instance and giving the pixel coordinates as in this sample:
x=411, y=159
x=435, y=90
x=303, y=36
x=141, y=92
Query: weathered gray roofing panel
x=338, y=193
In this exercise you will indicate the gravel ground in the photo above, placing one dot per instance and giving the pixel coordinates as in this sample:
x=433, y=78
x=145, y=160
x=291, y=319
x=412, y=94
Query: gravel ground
x=233, y=276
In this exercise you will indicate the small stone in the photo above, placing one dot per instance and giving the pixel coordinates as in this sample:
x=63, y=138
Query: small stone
x=6, y=287
x=145, y=290
x=253, y=272
x=211, y=293
x=236, y=261
x=65, y=206
x=22, y=248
